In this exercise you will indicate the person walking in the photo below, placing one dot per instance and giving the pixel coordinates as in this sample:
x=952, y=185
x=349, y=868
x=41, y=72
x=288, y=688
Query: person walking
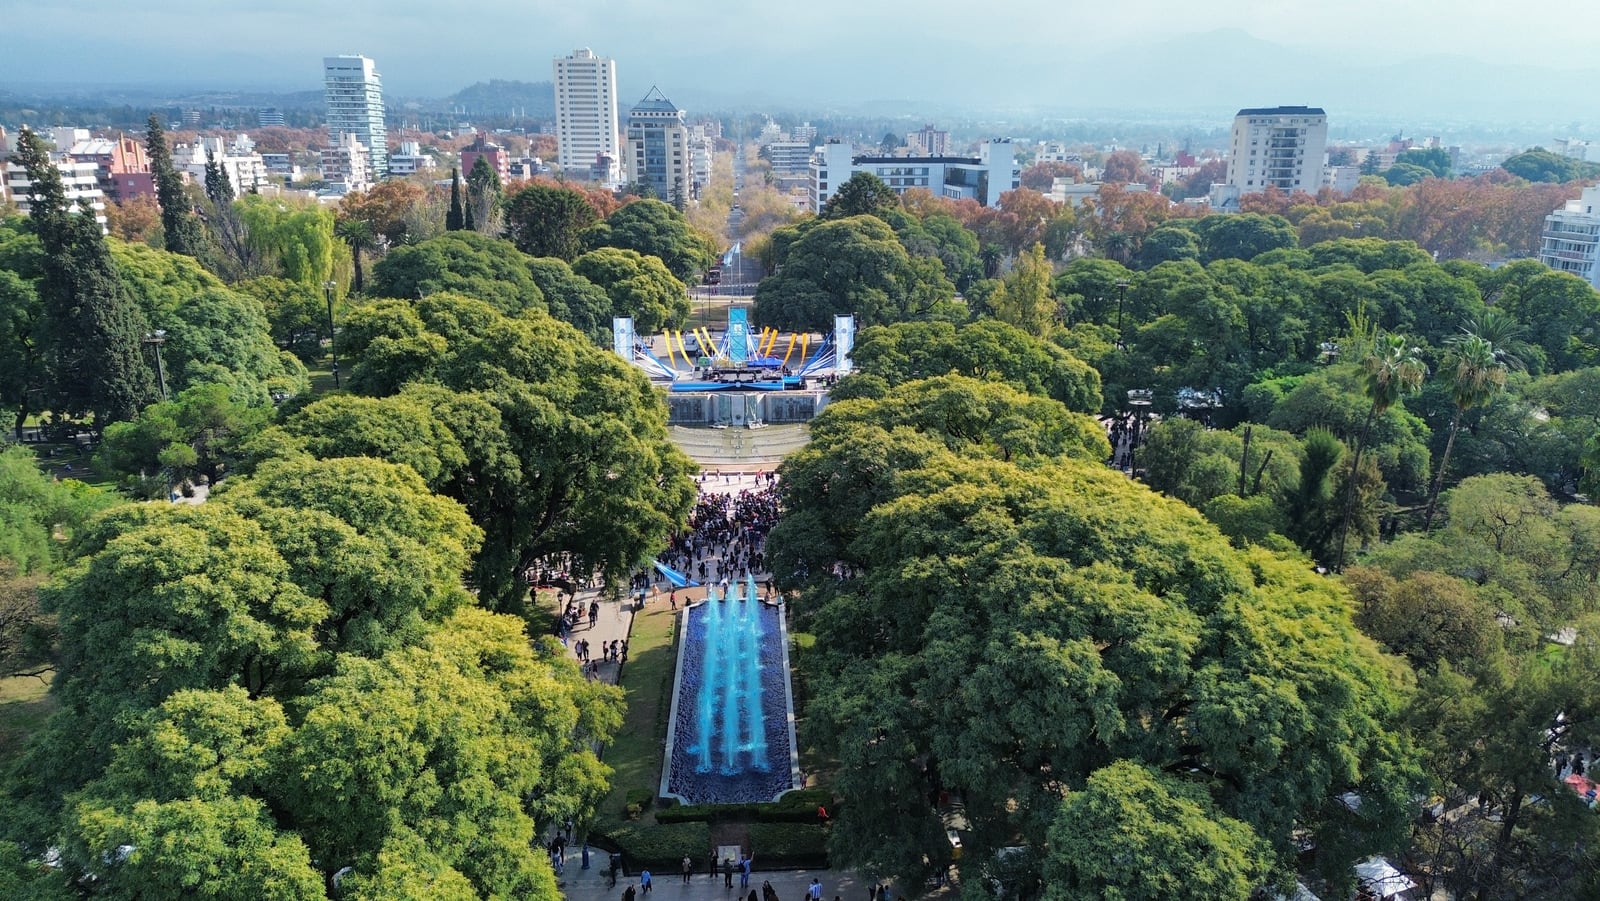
x=712, y=869
x=815, y=891
x=688, y=867
x=727, y=872
x=744, y=873
x=644, y=882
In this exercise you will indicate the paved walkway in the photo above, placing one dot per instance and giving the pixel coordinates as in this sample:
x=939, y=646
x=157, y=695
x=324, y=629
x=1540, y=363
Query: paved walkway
x=594, y=885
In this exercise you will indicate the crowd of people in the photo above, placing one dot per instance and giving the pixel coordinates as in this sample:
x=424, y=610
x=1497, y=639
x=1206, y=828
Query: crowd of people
x=727, y=532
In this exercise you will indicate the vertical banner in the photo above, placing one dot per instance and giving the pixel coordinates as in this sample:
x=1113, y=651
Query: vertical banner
x=622, y=337
x=844, y=341
x=738, y=337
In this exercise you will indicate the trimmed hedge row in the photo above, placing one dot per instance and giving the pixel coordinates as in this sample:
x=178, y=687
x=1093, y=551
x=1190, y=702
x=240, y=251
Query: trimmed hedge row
x=783, y=846
x=661, y=848
x=795, y=807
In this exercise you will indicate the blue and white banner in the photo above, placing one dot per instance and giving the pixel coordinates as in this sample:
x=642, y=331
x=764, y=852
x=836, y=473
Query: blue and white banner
x=844, y=340
x=622, y=337
x=738, y=336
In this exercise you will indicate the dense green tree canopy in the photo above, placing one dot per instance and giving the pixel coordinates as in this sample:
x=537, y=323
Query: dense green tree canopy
x=565, y=444
x=1541, y=165
x=986, y=349
x=1011, y=628
x=853, y=265
x=572, y=298
x=656, y=229
x=460, y=262
x=639, y=286
x=546, y=221
x=863, y=194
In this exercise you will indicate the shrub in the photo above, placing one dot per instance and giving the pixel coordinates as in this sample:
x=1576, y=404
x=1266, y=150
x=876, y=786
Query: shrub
x=638, y=801
x=661, y=847
x=789, y=845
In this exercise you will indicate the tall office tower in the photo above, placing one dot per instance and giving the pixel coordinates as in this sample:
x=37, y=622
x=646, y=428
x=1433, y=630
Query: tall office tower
x=586, y=115
x=658, y=149
x=355, y=107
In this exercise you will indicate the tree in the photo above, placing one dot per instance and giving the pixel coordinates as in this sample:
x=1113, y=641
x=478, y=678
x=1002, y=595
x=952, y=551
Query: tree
x=1244, y=236
x=180, y=228
x=197, y=437
x=566, y=444
x=1540, y=165
x=639, y=286
x=1041, y=176
x=1133, y=833
x=296, y=315
x=479, y=266
x=1393, y=370
x=137, y=220
x=573, y=299
x=22, y=371
x=1123, y=166
x=655, y=229
x=853, y=265
x=484, y=196
x=864, y=194
x=298, y=236
x=1010, y=628
x=1024, y=298
x=90, y=329
x=389, y=207
x=456, y=219
x=218, y=186
x=1478, y=371
x=359, y=236
x=986, y=349
x=544, y=221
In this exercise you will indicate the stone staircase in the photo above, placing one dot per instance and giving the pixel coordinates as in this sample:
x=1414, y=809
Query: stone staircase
x=740, y=449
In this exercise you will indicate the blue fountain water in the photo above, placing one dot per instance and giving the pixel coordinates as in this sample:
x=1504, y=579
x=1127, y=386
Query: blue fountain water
x=731, y=716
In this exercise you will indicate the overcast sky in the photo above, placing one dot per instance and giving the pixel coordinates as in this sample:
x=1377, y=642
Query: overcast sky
x=871, y=48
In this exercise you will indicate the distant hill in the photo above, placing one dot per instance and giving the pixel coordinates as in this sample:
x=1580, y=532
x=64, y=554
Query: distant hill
x=499, y=97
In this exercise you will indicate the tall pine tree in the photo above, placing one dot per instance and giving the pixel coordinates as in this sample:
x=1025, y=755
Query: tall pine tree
x=91, y=329
x=456, y=219
x=483, y=196
x=219, y=187
x=181, y=228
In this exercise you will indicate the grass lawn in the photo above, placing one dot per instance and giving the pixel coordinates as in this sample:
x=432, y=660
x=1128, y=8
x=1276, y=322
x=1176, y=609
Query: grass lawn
x=647, y=685
x=67, y=461
x=24, y=704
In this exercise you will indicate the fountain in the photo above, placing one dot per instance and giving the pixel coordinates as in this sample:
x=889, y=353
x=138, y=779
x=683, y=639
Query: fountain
x=731, y=705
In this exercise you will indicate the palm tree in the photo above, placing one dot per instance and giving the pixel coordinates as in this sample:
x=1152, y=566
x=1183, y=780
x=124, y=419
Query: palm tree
x=1394, y=368
x=1480, y=363
x=358, y=233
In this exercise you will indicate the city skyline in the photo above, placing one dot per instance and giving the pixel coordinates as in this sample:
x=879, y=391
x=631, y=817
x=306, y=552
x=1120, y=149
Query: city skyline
x=1033, y=54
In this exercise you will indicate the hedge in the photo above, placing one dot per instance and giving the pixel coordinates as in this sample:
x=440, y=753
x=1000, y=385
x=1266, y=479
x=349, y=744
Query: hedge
x=661, y=847
x=789, y=845
x=795, y=807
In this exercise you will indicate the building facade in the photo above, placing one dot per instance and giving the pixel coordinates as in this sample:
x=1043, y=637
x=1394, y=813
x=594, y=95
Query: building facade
x=246, y=170
x=1274, y=147
x=658, y=149
x=355, y=107
x=346, y=167
x=586, y=114
x=1571, y=238
x=982, y=178
x=409, y=160
x=80, y=180
x=498, y=159
x=789, y=157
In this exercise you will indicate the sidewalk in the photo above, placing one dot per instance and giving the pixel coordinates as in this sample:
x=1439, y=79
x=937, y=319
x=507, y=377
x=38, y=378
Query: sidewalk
x=578, y=884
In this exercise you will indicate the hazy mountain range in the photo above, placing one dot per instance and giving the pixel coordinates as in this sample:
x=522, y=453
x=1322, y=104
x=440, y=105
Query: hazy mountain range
x=1201, y=79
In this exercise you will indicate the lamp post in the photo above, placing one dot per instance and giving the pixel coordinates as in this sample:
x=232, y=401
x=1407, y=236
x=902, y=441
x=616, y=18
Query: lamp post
x=1140, y=400
x=1122, y=292
x=156, y=339
x=327, y=291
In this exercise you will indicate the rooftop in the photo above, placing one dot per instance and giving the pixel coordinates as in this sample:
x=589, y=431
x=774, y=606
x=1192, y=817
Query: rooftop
x=1283, y=111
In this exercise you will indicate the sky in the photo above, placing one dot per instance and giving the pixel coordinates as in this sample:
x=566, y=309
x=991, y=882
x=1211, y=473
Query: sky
x=823, y=51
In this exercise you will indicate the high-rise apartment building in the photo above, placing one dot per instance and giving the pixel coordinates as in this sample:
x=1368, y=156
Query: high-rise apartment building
x=1274, y=147
x=1571, y=239
x=355, y=107
x=658, y=149
x=586, y=114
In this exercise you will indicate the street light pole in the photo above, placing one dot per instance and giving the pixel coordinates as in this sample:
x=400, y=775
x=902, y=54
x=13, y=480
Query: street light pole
x=327, y=290
x=1122, y=292
x=156, y=339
